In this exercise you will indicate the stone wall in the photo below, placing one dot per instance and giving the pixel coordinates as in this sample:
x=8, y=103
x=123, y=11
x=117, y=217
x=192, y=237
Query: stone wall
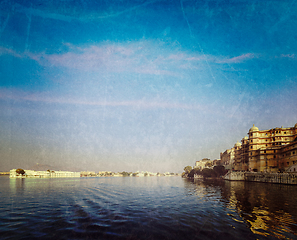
x=234, y=176
x=282, y=178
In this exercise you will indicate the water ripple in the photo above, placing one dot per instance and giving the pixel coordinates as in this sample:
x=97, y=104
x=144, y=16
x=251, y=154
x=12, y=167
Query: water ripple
x=144, y=208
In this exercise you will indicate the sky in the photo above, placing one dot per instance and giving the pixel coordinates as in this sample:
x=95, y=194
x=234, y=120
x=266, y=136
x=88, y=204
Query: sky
x=138, y=85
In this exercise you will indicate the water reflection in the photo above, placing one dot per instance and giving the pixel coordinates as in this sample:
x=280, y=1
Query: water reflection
x=17, y=185
x=147, y=208
x=269, y=210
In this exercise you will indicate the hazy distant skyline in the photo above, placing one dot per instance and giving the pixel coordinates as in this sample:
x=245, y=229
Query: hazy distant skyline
x=141, y=85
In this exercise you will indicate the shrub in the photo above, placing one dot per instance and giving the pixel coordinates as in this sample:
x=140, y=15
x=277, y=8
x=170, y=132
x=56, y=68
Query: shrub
x=20, y=171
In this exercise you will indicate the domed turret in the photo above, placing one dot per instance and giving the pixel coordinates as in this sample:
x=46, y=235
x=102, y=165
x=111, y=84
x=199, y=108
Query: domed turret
x=254, y=129
x=238, y=144
x=244, y=140
x=295, y=125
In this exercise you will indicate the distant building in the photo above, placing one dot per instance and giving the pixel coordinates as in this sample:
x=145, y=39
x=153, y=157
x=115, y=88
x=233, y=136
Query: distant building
x=204, y=163
x=88, y=174
x=105, y=173
x=227, y=158
x=43, y=174
x=241, y=155
x=216, y=162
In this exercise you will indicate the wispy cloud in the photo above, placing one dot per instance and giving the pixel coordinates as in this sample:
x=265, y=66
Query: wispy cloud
x=67, y=14
x=144, y=57
x=292, y=56
x=237, y=59
x=11, y=52
x=22, y=100
x=21, y=96
x=139, y=58
x=211, y=58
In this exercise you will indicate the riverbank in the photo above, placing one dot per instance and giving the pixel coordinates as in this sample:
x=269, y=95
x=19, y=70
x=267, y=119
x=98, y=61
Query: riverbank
x=280, y=178
x=21, y=173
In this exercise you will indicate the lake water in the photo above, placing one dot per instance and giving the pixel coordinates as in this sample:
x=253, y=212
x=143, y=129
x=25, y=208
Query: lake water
x=145, y=208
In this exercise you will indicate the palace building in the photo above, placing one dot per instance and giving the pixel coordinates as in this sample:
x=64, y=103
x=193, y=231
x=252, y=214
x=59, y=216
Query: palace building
x=270, y=150
x=205, y=162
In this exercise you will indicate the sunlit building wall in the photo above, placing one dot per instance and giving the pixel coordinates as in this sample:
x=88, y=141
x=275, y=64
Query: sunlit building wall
x=270, y=150
x=237, y=156
x=288, y=157
x=227, y=158
x=204, y=163
x=43, y=174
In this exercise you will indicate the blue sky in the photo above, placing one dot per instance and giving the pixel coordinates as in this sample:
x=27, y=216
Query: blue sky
x=141, y=85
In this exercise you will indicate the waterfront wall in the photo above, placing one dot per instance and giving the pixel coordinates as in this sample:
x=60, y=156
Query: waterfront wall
x=282, y=178
x=234, y=176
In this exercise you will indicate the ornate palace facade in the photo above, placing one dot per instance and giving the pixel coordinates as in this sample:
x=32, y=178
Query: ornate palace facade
x=271, y=150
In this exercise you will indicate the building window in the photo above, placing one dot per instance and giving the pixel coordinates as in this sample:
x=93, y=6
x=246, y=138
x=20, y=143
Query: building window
x=251, y=147
x=274, y=156
x=264, y=151
x=288, y=163
x=294, y=153
x=285, y=132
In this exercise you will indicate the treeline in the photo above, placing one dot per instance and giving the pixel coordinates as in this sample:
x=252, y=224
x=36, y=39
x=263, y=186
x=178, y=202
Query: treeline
x=131, y=174
x=216, y=171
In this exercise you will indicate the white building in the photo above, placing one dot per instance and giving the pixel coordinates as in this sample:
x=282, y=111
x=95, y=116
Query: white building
x=43, y=174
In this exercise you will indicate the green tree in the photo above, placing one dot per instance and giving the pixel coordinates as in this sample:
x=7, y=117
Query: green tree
x=220, y=170
x=20, y=171
x=188, y=169
x=206, y=172
x=125, y=174
x=194, y=171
